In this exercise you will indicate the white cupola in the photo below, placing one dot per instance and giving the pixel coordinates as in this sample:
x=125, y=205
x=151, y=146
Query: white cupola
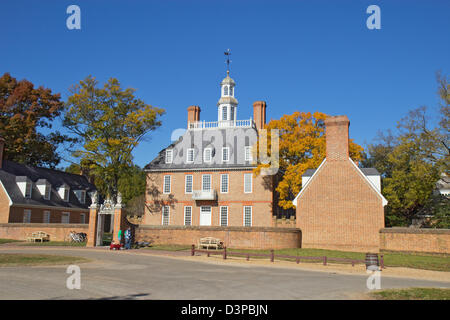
x=227, y=105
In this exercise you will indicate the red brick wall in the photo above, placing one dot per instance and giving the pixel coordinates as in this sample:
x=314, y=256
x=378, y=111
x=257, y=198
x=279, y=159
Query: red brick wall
x=233, y=237
x=37, y=215
x=4, y=205
x=415, y=240
x=260, y=199
x=339, y=210
x=57, y=232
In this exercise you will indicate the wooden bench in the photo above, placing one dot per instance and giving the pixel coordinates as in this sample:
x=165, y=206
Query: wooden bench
x=39, y=235
x=210, y=242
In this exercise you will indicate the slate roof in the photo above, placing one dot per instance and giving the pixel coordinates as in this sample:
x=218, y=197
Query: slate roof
x=56, y=178
x=366, y=171
x=236, y=138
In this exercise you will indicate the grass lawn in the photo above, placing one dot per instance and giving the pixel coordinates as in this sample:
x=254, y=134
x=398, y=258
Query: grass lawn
x=391, y=259
x=19, y=259
x=168, y=247
x=2, y=241
x=412, y=294
x=55, y=243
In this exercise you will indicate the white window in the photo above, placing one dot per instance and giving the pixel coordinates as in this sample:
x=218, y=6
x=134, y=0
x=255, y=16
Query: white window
x=248, y=177
x=224, y=113
x=225, y=154
x=231, y=91
x=232, y=113
x=165, y=215
x=207, y=155
x=81, y=195
x=224, y=216
x=65, y=217
x=224, y=183
x=66, y=194
x=46, y=216
x=248, y=154
x=167, y=183
x=26, y=216
x=225, y=90
x=188, y=183
x=247, y=216
x=82, y=218
x=169, y=156
x=63, y=192
x=188, y=216
x=190, y=155
x=48, y=190
x=206, y=182
x=28, y=189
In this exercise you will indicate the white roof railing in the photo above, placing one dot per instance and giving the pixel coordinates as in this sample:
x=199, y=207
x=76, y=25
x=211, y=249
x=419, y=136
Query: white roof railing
x=200, y=125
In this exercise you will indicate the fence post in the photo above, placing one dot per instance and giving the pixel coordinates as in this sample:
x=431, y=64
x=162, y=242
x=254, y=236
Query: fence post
x=298, y=260
x=224, y=252
x=248, y=256
x=193, y=250
x=381, y=261
x=208, y=254
x=324, y=260
x=272, y=255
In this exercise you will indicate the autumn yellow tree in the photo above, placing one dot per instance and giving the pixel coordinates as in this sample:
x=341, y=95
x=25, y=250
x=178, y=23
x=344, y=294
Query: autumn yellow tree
x=301, y=147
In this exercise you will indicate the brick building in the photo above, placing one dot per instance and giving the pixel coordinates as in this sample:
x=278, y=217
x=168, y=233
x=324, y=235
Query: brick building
x=40, y=195
x=205, y=178
x=340, y=205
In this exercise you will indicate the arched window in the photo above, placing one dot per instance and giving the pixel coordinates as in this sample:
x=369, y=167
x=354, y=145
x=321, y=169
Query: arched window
x=225, y=90
x=232, y=113
x=231, y=91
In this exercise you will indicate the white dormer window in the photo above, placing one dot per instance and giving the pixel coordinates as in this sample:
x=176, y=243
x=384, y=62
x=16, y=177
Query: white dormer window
x=248, y=154
x=225, y=154
x=81, y=195
x=63, y=192
x=28, y=189
x=190, y=155
x=207, y=155
x=169, y=156
x=44, y=188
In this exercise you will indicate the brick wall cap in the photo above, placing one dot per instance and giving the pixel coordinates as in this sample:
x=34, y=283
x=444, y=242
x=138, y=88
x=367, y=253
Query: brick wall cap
x=43, y=225
x=336, y=120
x=217, y=228
x=415, y=230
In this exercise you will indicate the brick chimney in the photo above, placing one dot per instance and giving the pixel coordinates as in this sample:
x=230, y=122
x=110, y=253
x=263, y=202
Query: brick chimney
x=2, y=147
x=193, y=114
x=336, y=130
x=259, y=114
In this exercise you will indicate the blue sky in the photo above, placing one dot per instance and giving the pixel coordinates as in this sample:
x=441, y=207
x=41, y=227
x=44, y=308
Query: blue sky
x=295, y=55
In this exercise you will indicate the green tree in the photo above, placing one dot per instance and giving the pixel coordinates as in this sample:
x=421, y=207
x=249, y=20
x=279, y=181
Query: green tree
x=24, y=110
x=110, y=122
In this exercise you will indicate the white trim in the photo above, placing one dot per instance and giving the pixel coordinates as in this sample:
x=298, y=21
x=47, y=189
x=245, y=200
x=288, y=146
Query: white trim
x=202, y=169
x=187, y=155
x=4, y=189
x=192, y=183
x=228, y=182
x=210, y=182
x=184, y=221
x=162, y=216
x=294, y=202
x=251, y=182
x=164, y=184
x=210, y=155
x=168, y=151
x=228, y=154
x=251, y=216
x=370, y=182
x=220, y=216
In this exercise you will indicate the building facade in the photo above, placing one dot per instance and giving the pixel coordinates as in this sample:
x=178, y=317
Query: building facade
x=40, y=195
x=205, y=178
x=340, y=205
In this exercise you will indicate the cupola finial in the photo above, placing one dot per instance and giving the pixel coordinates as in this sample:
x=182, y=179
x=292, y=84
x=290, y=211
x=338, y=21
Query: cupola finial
x=228, y=54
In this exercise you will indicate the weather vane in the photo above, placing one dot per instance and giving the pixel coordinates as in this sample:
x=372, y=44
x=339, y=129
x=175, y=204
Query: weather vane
x=228, y=54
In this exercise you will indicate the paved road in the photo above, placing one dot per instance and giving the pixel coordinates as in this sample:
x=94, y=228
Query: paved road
x=124, y=275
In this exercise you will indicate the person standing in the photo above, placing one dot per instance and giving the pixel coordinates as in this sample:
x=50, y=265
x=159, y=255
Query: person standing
x=128, y=238
x=119, y=236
